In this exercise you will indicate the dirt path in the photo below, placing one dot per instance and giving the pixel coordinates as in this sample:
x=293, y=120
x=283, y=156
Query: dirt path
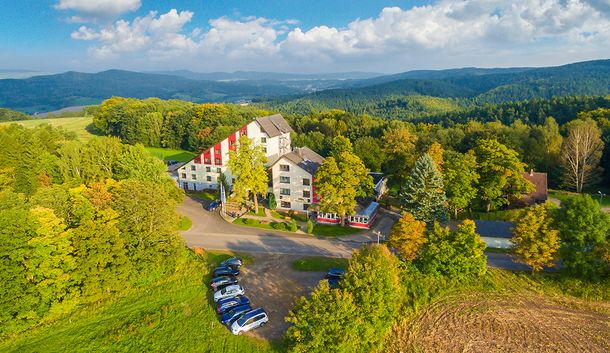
x=270, y=283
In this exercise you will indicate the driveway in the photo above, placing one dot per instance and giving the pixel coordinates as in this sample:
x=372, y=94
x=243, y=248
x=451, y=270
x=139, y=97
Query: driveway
x=211, y=232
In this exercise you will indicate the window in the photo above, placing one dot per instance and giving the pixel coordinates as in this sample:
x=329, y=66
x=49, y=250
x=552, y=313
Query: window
x=207, y=169
x=217, y=160
x=285, y=192
x=305, y=206
x=306, y=181
x=284, y=180
x=306, y=193
x=263, y=140
x=208, y=178
x=284, y=168
x=265, y=149
x=183, y=176
x=218, y=170
x=232, y=143
x=216, y=151
x=194, y=176
x=193, y=168
x=208, y=161
x=285, y=204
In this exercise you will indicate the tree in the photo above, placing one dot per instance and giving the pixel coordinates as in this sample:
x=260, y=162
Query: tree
x=501, y=174
x=399, y=149
x=339, y=145
x=247, y=165
x=581, y=152
x=436, y=152
x=455, y=254
x=584, y=229
x=423, y=193
x=460, y=179
x=374, y=281
x=339, y=181
x=369, y=150
x=324, y=322
x=272, y=201
x=408, y=235
x=536, y=242
x=135, y=162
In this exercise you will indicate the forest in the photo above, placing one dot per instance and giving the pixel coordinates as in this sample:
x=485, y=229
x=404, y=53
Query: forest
x=79, y=223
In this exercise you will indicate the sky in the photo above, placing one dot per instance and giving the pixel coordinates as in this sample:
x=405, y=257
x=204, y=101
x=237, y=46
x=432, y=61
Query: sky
x=311, y=36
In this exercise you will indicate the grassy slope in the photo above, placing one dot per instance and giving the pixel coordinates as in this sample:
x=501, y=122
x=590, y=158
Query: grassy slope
x=76, y=125
x=319, y=263
x=172, y=316
x=564, y=195
x=79, y=127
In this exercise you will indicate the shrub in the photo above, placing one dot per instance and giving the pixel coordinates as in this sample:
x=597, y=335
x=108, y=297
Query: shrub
x=309, y=227
x=271, y=201
x=293, y=226
x=250, y=221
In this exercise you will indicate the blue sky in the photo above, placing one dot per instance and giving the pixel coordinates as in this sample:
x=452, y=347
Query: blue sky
x=299, y=36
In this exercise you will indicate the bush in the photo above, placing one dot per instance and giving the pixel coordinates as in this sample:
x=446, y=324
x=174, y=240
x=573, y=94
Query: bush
x=278, y=225
x=250, y=221
x=309, y=227
x=271, y=201
x=293, y=226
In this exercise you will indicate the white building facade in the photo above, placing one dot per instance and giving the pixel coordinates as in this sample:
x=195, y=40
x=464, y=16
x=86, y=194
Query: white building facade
x=202, y=172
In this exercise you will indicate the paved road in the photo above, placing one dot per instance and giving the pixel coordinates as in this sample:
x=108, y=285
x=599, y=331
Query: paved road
x=211, y=232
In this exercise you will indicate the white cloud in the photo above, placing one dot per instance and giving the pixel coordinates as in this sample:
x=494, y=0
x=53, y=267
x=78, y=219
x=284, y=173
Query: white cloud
x=91, y=9
x=446, y=33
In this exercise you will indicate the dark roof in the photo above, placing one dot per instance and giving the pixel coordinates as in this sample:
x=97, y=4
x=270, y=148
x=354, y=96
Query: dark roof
x=274, y=125
x=540, y=182
x=305, y=158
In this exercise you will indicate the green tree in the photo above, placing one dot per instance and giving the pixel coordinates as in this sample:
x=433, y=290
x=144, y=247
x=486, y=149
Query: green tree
x=584, y=229
x=422, y=194
x=339, y=145
x=369, y=150
x=399, y=149
x=455, y=254
x=536, y=242
x=435, y=151
x=324, y=322
x=501, y=174
x=408, y=235
x=247, y=164
x=136, y=163
x=461, y=178
x=373, y=279
x=339, y=181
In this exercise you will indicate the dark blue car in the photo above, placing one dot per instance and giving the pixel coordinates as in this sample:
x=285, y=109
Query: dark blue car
x=225, y=305
x=234, y=314
x=334, y=276
x=213, y=205
x=219, y=282
x=225, y=271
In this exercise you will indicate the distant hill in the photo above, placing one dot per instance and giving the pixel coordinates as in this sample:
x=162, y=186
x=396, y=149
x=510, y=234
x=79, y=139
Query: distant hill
x=467, y=86
x=11, y=115
x=267, y=76
x=52, y=92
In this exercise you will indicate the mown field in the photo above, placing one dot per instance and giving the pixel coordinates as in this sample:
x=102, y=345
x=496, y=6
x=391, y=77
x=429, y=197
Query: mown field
x=175, y=315
x=84, y=131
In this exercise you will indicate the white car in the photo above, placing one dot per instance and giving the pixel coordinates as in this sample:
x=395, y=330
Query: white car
x=229, y=291
x=250, y=320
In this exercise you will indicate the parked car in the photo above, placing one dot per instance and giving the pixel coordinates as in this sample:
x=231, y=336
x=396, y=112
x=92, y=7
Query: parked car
x=213, y=205
x=232, y=262
x=334, y=276
x=222, y=281
x=229, y=291
x=227, y=304
x=225, y=271
x=234, y=314
x=250, y=320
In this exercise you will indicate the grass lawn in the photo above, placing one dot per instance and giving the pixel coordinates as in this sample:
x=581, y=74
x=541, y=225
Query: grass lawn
x=319, y=263
x=168, y=154
x=248, y=222
x=174, y=315
x=77, y=125
x=326, y=230
x=185, y=223
x=564, y=195
x=261, y=212
x=202, y=195
x=215, y=257
x=499, y=250
x=276, y=214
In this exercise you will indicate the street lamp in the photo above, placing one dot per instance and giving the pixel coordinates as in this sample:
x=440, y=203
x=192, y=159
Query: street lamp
x=378, y=235
x=601, y=196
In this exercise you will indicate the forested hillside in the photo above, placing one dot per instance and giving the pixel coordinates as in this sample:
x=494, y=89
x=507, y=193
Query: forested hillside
x=11, y=115
x=468, y=87
x=79, y=223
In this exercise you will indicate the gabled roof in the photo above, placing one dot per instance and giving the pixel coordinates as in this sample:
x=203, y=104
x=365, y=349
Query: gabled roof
x=305, y=158
x=274, y=125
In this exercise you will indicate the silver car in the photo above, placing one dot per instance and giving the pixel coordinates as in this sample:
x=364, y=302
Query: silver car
x=250, y=320
x=229, y=291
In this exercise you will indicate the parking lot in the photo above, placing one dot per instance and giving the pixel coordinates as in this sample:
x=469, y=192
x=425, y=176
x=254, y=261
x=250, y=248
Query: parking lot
x=270, y=283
